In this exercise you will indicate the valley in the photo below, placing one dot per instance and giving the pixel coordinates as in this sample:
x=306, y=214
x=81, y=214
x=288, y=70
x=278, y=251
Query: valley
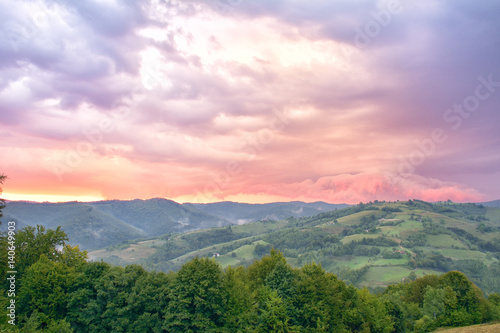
x=369, y=245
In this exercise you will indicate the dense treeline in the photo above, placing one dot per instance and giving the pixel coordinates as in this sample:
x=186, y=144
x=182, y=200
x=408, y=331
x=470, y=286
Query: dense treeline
x=301, y=242
x=214, y=236
x=57, y=290
x=329, y=216
x=323, y=253
x=449, y=208
x=191, y=242
x=306, y=240
x=2, y=201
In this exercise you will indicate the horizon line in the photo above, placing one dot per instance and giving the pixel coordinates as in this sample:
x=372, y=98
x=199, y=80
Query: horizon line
x=230, y=201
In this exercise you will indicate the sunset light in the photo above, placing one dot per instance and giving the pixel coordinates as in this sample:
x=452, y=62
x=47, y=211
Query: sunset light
x=250, y=101
x=48, y=198
x=249, y=165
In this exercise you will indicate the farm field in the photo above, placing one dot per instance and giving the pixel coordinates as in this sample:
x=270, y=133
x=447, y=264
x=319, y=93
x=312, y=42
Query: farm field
x=462, y=254
x=402, y=237
x=131, y=254
x=358, y=237
x=444, y=241
x=259, y=227
x=384, y=276
x=244, y=253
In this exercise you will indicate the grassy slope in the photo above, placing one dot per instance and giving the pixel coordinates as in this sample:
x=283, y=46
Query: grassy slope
x=483, y=328
x=382, y=271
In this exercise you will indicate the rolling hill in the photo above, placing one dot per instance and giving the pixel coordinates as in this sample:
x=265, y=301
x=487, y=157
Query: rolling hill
x=241, y=213
x=370, y=245
x=495, y=203
x=104, y=223
x=100, y=224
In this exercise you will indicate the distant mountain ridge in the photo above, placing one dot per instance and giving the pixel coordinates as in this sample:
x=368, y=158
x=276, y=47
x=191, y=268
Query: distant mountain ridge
x=241, y=213
x=494, y=203
x=99, y=224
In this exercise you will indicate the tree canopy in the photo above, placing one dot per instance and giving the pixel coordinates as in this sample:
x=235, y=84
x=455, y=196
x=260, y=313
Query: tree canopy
x=2, y=201
x=60, y=291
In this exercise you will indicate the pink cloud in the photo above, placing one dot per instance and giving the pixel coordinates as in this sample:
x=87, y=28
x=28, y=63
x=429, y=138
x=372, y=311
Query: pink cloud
x=368, y=187
x=201, y=91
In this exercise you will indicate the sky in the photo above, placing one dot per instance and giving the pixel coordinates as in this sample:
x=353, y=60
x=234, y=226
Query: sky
x=250, y=100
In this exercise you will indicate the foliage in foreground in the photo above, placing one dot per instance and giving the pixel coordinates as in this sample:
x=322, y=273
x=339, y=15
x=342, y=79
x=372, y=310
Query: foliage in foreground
x=58, y=291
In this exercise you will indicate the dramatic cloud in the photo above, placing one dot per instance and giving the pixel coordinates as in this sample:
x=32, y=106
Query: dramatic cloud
x=251, y=100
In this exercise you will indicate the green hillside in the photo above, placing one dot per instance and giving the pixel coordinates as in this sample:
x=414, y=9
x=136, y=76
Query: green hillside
x=95, y=225
x=372, y=245
x=495, y=203
x=239, y=213
x=85, y=225
x=60, y=291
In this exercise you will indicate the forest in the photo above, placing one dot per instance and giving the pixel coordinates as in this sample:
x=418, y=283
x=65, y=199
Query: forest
x=369, y=245
x=58, y=290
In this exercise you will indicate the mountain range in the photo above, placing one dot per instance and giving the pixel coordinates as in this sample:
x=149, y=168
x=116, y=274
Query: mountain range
x=99, y=224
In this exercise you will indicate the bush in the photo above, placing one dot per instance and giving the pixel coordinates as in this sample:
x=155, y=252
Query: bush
x=424, y=324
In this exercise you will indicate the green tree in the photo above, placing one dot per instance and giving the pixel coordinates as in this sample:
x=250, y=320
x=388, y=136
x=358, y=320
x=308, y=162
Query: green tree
x=272, y=312
x=3, y=240
x=434, y=305
x=468, y=297
x=415, y=291
x=45, y=287
x=495, y=299
x=114, y=313
x=374, y=313
x=260, y=269
x=73, y=257
x=261, y=249
x=32, y=242
x=424, y=324
x=364, y=312
x=403, y=314
x=240, y=315
x=319, y=299
x=2, y=201
x=147, y=300
x=36, y=324
x=282, y=279
x=84, y=310
x=197, y=298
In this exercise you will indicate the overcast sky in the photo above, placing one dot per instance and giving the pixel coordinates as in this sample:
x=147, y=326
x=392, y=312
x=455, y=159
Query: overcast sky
x=250, y=100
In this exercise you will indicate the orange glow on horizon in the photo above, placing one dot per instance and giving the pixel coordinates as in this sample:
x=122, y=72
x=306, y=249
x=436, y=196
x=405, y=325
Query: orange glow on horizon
x=241, y=198
x=49, y=197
